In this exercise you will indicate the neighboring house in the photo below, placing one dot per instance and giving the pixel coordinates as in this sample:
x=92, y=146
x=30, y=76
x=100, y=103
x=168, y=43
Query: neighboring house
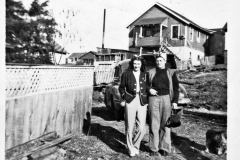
x=218, y=46
x=58, y=54
x=160, y=25
x=217, y=41
x=86, y=58
x=112, y=55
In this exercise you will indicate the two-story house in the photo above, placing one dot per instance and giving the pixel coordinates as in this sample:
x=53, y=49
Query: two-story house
x=160, y=25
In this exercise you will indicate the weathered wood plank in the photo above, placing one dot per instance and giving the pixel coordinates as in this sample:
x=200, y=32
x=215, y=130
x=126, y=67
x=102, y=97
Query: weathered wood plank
x=19, y=149
x=27, y=118
x=8, y=123
x=19, y=124
x=53, y=143
x=36, y=118
x=47, y=123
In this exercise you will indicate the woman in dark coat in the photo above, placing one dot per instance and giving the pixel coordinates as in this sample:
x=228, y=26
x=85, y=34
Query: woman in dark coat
x=133, y=89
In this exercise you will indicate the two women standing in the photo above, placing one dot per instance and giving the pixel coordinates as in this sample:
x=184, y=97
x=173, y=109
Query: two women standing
x=158, y=89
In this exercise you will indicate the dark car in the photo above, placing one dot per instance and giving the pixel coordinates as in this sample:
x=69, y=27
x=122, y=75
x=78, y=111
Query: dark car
x=113, y=99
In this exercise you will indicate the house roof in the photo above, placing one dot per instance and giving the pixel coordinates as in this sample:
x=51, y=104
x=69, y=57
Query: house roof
x=58, y=49
x=112, y=50
x=93, y=52
x=175, y=14
x=151, y=21
x=79, y=55
x=224, y=29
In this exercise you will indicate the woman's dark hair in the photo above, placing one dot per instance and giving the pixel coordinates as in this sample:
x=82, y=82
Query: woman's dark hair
x=139, y=58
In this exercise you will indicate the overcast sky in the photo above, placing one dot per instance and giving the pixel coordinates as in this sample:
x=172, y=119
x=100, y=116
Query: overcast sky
x=87, y=25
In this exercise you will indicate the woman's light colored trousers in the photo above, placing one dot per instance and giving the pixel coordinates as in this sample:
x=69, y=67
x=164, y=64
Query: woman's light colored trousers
x=135, y=112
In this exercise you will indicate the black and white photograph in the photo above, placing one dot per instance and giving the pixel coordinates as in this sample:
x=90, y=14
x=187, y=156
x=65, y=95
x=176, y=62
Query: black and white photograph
x=119, y=80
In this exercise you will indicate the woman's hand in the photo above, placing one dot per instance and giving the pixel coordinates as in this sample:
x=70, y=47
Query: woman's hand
x=153, y=92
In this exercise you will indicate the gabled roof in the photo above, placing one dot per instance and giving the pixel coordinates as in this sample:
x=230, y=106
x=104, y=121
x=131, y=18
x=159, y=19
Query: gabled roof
x=175, y=14
x=93, y=52
x=151, y=21
x=77, y=55
x=58, y=49
x=225, y=27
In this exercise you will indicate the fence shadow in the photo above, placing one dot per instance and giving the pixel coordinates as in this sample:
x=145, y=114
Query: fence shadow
x=110, y=136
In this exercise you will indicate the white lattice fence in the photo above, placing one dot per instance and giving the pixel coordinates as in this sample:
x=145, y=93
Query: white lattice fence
x=22, y=81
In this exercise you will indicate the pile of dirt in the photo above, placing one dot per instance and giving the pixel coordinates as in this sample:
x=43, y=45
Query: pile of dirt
x=209, y=90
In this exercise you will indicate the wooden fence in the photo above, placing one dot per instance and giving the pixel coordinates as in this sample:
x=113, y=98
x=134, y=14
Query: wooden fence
x=42, y=99
x=104, y=73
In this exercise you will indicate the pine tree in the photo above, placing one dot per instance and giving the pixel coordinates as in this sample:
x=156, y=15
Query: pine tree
x=30, y=32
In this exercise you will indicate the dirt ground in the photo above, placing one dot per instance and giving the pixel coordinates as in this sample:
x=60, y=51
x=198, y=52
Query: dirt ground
x=209, y=90
x=105, y=140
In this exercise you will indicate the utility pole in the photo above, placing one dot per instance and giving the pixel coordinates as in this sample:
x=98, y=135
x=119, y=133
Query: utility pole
x=103, y=28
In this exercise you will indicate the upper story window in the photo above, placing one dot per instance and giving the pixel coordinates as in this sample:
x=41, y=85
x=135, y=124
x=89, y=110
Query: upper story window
x=175, y=31
x=191, y=34
x=198, y=36
x=150, y=31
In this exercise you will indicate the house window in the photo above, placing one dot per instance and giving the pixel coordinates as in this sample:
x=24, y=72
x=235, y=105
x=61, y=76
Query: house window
x=175, y=31
x=107, y=58
x=75, y=59
x=90, y=61
x=198, y=36
x=102, y=58
x=198, y=57
x=85, y=61
x=191, y=34
x=97, y=58
x=112, y=57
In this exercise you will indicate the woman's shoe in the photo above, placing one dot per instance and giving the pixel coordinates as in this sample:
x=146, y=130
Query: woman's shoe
x=155, y=154
x=136, y=151
x=164, y=153
x=132, y=154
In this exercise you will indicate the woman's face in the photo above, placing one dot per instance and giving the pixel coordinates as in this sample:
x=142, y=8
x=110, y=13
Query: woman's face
x=160, y=62
x=137, y=65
